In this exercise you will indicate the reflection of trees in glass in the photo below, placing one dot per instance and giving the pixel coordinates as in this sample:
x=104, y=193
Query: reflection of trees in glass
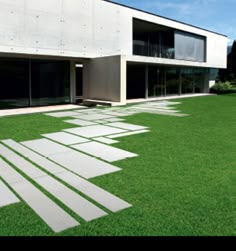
x=229, y=74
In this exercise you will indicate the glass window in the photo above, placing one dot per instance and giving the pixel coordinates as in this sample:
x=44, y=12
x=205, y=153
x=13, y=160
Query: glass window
x=50, y=82
x=190, y=47
x=14, y=81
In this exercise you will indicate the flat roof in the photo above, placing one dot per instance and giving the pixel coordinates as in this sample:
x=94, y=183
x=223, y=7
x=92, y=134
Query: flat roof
x=153, y=14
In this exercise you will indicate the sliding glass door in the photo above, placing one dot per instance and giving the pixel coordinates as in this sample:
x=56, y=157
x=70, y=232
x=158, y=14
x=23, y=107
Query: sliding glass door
x=14, y=83
x=26, y=82
x=50, y=82
x=156, y=81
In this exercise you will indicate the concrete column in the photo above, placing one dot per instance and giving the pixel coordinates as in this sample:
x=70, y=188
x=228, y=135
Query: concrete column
x=146, y=82
x=180, y=83
x=123, y=80
x=206, y=82
x=72, y=83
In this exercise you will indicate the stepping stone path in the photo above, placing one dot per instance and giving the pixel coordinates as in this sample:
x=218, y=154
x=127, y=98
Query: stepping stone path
x=69, y=157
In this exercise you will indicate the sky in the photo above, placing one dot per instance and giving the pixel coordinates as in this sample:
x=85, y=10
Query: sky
x=214, y=15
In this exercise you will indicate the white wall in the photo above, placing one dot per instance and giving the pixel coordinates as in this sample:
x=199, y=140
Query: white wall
x=83, y=29
x=73, y=28
x=104, y=79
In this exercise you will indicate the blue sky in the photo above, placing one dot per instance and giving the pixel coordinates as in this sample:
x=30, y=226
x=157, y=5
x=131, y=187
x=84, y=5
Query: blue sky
x=215, y=15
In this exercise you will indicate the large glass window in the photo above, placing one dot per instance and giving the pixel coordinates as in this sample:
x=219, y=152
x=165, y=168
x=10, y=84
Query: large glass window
x=50, y=82
x=14, y=82
x=136, y=81
x=190, y=47
x=158, y=80
x=152, y=40
x=27, y=82
x=172, y=81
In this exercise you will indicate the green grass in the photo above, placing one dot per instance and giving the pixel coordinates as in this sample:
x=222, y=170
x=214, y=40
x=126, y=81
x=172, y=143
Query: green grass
x=183, y=182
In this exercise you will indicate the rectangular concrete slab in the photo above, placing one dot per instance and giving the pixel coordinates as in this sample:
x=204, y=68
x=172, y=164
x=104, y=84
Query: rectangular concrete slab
x=65, y=138
x=71, y=199
x=106, y=199
x=105, y=152
x=102, y=121
x=80, y=163
x=115, y=113
x=126, y=134
x=7, y=197
x=99, y=195
x=92, y=117
x=79, y=122
x=126, y=126
x=54, y=216
x=161, y=112
x=94, y=131
x=158, y=109
x=74, y=201
x=105, y=140
x=114, y=120
x=45, y=147
x=34, y=157
x=62, y=114
x=89, y=110
x=83, y=165
x=20, y=162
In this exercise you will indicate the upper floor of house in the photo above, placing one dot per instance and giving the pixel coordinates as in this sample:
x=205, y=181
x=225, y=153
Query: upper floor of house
x=95, y=28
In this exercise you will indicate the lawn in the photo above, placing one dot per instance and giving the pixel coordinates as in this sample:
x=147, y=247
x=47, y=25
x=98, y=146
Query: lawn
x=182, y=184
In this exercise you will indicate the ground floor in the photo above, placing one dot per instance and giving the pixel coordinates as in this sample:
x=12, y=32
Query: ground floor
x=28, y=82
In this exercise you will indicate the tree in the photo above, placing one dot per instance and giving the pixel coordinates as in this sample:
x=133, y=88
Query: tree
x=229, y=74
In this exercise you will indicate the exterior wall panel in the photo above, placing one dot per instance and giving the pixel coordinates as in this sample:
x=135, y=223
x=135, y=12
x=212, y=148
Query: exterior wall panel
x=84, y=29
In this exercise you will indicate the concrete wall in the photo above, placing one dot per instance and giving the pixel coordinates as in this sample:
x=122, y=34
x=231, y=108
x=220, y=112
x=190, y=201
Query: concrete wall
x=105, y=79
x=83, y=29
x=72, y=28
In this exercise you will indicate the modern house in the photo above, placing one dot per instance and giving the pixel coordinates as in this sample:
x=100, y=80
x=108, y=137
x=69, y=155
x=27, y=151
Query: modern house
x=59, y=51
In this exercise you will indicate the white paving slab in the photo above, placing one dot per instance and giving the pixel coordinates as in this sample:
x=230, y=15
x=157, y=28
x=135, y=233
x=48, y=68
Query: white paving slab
x=34, y=157
x=114, y=120
x=83, y=165
x=7, y=197
x=102, y=121
x=127, y=126
x=74, y=201
x=94, y=131
x=62, y=114
x=150, y=109
x=105, y=152
x=106, y=140
x=54, y=216
x=65, y=138
x=89, y=110
x=79, y=163
x=45, y=147
x=101, y=196
x=20, y=162
x=92, y=117
x=79, y=122
x=96, y=193
x=115, y=113
x=71, y=199
x=126, y=134
x=162, y=112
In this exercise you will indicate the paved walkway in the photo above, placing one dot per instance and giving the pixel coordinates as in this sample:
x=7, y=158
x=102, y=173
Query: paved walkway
x=71, y=157
x=29, y=110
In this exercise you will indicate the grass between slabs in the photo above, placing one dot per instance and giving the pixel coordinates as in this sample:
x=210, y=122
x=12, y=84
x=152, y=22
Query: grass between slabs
x=183, y=182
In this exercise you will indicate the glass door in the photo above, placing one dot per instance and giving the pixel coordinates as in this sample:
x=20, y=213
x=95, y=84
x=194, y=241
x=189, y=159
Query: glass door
x=156, y=81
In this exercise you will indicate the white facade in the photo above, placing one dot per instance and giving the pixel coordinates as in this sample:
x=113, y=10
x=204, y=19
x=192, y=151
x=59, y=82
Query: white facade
x=86, y=29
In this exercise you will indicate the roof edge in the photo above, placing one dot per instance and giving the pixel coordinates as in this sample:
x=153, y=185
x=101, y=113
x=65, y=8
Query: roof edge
x=171, y=19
